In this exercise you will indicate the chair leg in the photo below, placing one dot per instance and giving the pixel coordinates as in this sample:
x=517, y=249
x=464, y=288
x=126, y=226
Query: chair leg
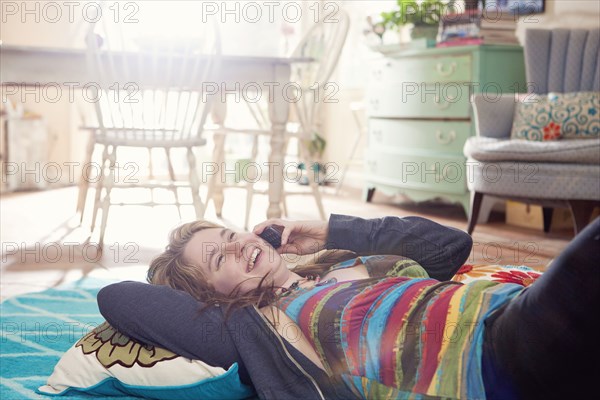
x=284, y=207
x=547, y=214
x=215, y=187
x=317, y=193
x=99, y=186
x=108, y=184
x=84, y=182
x=195, y=184
x=581, y=211
x=84, y=185
x=173, y=180
x=250, y=181
x=476, y=199
x=249, y=198
x=150, y=164
x=359, y=134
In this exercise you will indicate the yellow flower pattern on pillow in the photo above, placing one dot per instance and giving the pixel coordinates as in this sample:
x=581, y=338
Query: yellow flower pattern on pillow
x=112, y=347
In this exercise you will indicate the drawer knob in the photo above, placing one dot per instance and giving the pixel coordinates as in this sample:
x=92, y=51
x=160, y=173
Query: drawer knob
x=439, y=67
x=443, y=105
x=374, y=103
x=445, y=139
x=377, y=135
x=433, y=169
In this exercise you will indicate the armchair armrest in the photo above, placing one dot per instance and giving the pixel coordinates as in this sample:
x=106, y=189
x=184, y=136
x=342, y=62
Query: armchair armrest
x=493, y=115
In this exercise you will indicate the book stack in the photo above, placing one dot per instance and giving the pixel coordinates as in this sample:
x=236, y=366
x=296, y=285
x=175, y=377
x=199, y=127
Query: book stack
x=499, y=28
x=473, y=28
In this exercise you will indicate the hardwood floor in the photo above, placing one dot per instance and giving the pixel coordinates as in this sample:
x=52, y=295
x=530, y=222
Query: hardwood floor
x=43, y=244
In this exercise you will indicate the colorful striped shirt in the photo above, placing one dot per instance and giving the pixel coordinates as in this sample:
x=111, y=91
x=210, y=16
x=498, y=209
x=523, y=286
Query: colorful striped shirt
x=399, y=334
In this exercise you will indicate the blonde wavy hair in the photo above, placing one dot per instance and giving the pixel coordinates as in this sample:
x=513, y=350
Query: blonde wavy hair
x=171, y=268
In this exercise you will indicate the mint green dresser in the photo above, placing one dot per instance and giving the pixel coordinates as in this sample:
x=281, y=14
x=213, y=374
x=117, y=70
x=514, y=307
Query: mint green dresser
x=419, y=115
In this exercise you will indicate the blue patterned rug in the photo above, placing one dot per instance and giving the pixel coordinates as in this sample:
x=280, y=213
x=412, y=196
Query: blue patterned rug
x=37, y=328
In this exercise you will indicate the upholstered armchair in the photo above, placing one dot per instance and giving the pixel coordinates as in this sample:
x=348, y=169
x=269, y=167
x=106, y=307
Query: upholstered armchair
x=557, y=173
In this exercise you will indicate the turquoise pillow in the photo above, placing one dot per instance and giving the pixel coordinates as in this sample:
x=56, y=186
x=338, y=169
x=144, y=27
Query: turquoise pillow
x=107, y=363
x=557, y=116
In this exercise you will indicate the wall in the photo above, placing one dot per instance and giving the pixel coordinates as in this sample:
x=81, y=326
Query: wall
x=36, y=23
x=350, y=78
x=563, y=14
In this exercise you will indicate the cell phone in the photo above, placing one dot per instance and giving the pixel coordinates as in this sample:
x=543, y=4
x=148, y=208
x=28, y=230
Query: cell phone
x=272, y=234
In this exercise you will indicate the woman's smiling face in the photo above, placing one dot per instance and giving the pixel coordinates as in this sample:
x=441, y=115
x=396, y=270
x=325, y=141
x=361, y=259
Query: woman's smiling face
x=229, y=259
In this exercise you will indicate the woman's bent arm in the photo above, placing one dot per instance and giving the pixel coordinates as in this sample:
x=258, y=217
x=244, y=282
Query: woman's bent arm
x=440, y=249
x=163, y=317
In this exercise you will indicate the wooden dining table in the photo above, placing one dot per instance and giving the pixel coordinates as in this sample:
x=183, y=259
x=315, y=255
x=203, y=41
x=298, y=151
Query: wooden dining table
x=24, y=66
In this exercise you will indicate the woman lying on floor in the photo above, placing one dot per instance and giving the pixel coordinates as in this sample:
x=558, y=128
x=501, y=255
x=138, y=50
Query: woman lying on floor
x=374, y=317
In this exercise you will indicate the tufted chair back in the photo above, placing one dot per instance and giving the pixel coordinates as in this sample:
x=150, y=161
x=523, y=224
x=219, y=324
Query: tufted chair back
x=562, y=60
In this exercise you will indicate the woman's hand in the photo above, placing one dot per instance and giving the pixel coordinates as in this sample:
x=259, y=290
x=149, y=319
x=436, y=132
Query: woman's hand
x=298, y=237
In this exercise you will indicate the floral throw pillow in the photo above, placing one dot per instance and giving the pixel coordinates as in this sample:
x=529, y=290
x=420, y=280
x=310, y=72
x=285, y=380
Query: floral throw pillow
x=519, y=274
x=557, y=116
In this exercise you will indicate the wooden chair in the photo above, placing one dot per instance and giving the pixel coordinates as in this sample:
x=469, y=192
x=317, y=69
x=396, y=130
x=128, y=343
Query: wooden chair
x=148, y=96
x=323, y=43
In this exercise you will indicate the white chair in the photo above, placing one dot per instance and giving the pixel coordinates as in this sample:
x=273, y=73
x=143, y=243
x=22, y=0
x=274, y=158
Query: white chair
x=323, y=43
x=357, y=108
x=148, y=95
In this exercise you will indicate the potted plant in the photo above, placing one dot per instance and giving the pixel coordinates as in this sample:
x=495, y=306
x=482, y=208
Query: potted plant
x=422, y=17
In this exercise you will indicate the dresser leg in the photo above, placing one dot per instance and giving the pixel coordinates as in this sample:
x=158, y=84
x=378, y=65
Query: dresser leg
x=368, y=194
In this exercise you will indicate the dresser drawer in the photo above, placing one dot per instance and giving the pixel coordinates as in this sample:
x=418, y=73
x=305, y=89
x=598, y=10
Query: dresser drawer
x=455, y=68
x=412, y=100
x=447, y=137
x=436, y=174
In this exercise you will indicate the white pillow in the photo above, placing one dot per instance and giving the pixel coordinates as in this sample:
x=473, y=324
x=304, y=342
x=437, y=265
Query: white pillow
x=106, y=362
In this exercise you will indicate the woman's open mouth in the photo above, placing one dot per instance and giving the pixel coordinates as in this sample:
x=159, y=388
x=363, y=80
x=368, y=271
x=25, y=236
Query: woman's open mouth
x=253, y=259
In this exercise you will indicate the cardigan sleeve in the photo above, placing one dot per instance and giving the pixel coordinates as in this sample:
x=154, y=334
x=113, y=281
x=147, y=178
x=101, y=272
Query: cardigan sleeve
x=439, y=249
x=168, y=318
